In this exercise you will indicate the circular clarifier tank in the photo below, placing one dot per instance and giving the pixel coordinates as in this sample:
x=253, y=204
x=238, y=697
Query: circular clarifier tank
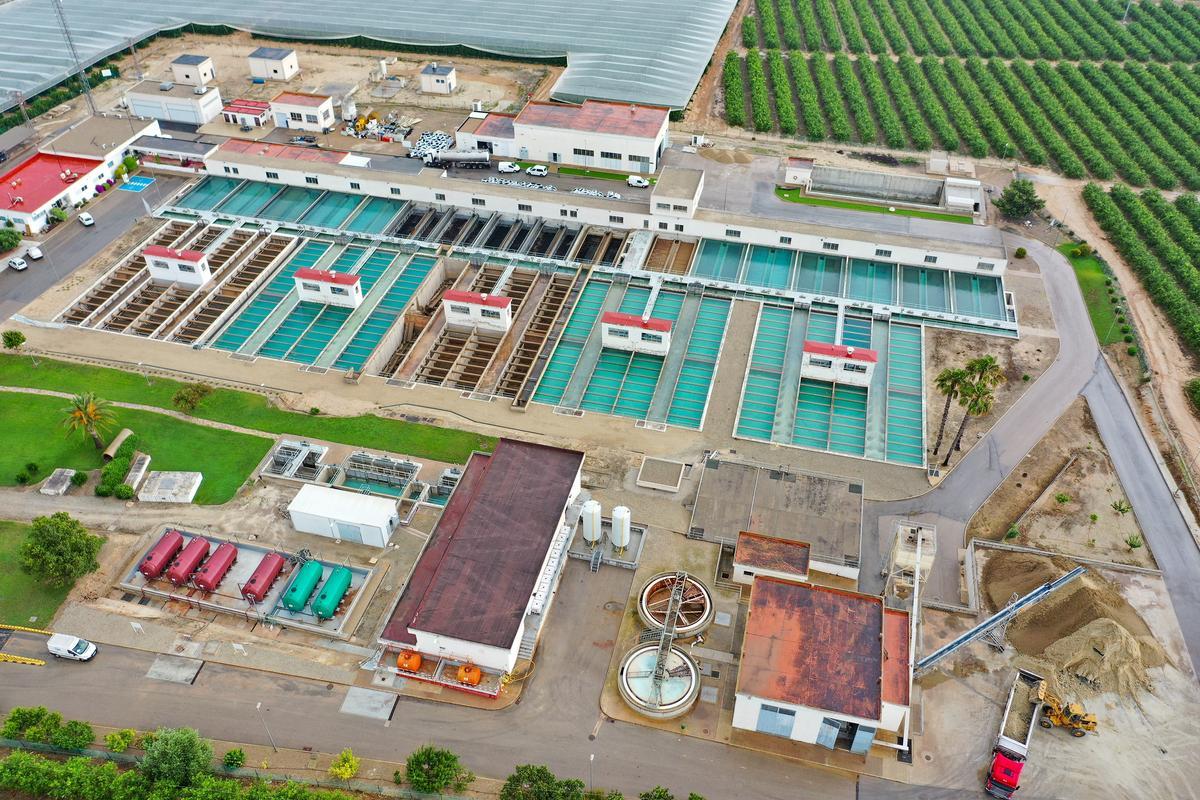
x=673, y=695
x=695, y=612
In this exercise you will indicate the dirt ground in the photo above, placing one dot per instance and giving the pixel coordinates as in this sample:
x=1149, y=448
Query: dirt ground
x=1030, y=498
x=1140, y=723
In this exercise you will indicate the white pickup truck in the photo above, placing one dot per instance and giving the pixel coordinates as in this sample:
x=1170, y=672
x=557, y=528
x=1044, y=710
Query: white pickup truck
x=62, y=645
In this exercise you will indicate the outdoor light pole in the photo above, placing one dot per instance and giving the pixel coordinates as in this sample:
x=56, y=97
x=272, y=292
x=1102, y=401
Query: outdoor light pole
x=258, y=708
x=591, y=759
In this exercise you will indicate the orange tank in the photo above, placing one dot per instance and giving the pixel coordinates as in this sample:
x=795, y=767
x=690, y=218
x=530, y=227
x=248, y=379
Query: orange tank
x=470, y=674
x=408, y=661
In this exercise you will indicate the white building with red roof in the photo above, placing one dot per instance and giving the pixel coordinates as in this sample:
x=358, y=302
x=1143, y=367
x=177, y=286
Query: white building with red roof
x=328, y=287
x=474, y=310
x=838, y=363
x=247, y=113
x=600, y=134
x=635, y=333
x=168, y=265
x=302, y=111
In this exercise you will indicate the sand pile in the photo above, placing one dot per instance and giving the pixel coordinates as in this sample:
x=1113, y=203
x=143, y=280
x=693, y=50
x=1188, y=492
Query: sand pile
x=1086, y=629
x=726, y=156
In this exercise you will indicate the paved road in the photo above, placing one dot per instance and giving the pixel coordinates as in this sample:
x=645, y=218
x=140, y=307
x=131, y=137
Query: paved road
x=72, y=245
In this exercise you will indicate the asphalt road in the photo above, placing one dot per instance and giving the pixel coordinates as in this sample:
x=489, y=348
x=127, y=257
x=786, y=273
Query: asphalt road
x=71, y=245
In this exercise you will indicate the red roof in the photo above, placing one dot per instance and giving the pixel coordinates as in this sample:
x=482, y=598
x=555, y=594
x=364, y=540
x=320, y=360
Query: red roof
x=896, y=656
x=37, y=181
x=253, y=107
x=474, y=579
x=271, y=150
x=327, y=276
x=497, y=126
x=840, y=351
x=771, y=552
x=620, y=119
x=478, y=298
x=634, y=321
x=813, y=646
x=178, y=255
x=300, y=99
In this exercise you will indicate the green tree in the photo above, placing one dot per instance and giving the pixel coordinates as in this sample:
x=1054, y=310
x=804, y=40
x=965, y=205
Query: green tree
x=234, y=758
x=58, y=214
x=985, y=371
x=120, y=741
x=13, y=340
x=90, y=416
x=345, y=766
x=1019, y=199
x=74, y=735
x=949, y=382
x=976, y=400
x=189, y=396
x=536, y=782
x=9, y=239
x=59, y=549
x=177, y=756
x=432, y=770
x=657, y=793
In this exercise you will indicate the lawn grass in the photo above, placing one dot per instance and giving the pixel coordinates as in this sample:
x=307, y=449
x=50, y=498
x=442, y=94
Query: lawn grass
x=247, y=409
x=1090, y=273
x=798, y=196
x=599, y=173
x=22, y=597
x=35, y=433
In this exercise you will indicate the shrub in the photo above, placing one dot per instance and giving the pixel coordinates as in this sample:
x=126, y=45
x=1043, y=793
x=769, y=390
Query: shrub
x=535, y=782
x=432, y=770
x=1013, y=532
x=32, y=468
x=9, y=238
x=345, y=766
x=1026, y=377
x=74, y=735
x=13, y=340
x=1122, y=507
x=1076, y=253
x=120, y=741
x=22, y=478
x=190, y=395
x=123, y=492
x=1086, y=250
x=1020, y=252
x=177, y=756
x=1108, y=281
x=1120, y=317
x=103, y=490
x=79, y=478
x=130, y=163
x=1133, y=351
x=1192, y=390
x=44, y=728
x=1093, y=518
x=1062, y=498
x=1134, y=541
x=1128, y=340
x=234, y=759
x=314, y=411
x=1125, y=328
x=58, y=215
x=735, y=90
x=20, y=719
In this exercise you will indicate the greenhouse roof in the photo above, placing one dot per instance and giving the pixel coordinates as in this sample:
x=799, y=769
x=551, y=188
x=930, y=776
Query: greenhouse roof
x=639, y=51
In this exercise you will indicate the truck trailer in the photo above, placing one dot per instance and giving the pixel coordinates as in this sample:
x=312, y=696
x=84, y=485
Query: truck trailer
x=1016, y=728
x=470, y=159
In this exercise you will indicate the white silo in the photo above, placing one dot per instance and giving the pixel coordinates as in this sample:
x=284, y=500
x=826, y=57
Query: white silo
x=592, y=530
x=620, y=528
x=349, y=109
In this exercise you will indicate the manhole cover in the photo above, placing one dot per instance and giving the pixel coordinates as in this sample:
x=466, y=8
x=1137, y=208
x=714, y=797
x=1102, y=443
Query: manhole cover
x=612, y=605
x=928, y=756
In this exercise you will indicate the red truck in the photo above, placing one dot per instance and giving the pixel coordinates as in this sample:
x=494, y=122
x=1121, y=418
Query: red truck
x=1012, y=743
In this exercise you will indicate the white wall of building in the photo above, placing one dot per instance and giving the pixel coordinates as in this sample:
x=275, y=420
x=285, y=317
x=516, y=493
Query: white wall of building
x=200, y=74
x=167, y=269
x=747, y=574
x=837, y=369
x=816, y=564
x=634, y=339
x=434, y=83
x=807, y=723
x=314, y=118
x=174, y=106
x=273, y=70
x=372, y=535
x=311, y=290
x=496, y=659
x=608, y=151
x=465, y=314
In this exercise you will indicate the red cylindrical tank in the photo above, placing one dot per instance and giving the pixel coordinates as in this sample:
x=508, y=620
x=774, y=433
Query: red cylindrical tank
x=161, y=554
x=189, y=558
x=213, y=571
x=264, y=576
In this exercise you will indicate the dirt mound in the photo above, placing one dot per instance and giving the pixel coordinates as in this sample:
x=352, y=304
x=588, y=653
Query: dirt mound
x=1061, y=614
x=722, y=156
x=1105, y=656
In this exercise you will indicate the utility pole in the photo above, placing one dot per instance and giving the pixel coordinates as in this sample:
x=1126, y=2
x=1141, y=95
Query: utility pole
x=66, y=31
x=1125, y=17
x=137, y=64
x=20, y=98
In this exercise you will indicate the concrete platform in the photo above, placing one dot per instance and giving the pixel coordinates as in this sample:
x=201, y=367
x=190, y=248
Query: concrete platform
x=170, y=487
x=175, y=669
x=58, y=483
x=369, y=703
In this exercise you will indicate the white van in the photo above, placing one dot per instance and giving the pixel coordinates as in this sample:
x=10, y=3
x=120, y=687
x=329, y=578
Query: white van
x=62, y=645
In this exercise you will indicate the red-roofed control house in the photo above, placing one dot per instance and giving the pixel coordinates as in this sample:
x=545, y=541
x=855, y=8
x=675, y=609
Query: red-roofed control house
x=167, y=265
x=838, y=363
x=634, y=333
x=468, y=310
x=303, y=111
x=247, y=113
x=601, y=134
x=328, y=287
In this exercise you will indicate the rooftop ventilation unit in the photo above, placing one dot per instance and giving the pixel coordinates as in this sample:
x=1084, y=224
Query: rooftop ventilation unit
x=166, y=86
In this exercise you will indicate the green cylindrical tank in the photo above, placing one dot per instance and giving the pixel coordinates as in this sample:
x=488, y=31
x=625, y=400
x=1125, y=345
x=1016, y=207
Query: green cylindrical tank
x=332, y=592
x=302, y=586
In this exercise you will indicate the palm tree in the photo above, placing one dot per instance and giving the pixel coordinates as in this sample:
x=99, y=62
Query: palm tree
x=985, y=371
x=976, y=400
x=90, y=416
x=949, y=381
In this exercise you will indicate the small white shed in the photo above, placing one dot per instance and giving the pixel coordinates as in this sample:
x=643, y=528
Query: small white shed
x=438, y=78
x=349, y=516
x=274, y=63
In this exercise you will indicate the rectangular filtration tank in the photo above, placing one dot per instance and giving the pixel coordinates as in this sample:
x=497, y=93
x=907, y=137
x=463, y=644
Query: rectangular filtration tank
x=213, y=572
x=187, y=562
x=303, y=585
x=335, y=588
x=265, y=575
x=161, y=554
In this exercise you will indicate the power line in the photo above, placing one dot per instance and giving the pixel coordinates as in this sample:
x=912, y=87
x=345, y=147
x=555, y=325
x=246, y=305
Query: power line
x=66, y=31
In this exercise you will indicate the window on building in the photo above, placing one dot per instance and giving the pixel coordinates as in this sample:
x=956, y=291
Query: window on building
x=733, y=233
x=678, y=227
x=776, y=721
x=615, y=218
x=161, y=264
x=186, y=268
x=619, y=333
x=355, y=185
x=457, y=309
x=395, y=190
x=311, y=287
x=785, y=240
x=613, y=156
x=311, y=119
x=663, y=206
x=234, y=170
x=930, y=259
x=226, y=170
x=859, y=368
x=587, y=153
x=478, y=201
x=680, y=208
x=830, y=245
x=338, y=290
x=821, y=363
x=572, y=213
x=489, y=313
x=986, y=266
x=662, y=226
x=640, y=159
x=653, y=338
x=440, y=197
x=296, y=116
x=524, y=207
x=881, y=253
x=310, y=179
x=273, y=176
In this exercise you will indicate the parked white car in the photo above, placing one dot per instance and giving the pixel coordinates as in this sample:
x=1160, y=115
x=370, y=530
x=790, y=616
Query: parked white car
x=86, y=219
x=538, y=171
x=637, y=182
x=34, y=254
x=62, y=645
x=508, y=166
x=18, y=264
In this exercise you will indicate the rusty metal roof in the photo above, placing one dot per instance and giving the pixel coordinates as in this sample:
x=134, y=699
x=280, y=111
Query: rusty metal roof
x=771, y=552
x=896, y=656
x=618, y=119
